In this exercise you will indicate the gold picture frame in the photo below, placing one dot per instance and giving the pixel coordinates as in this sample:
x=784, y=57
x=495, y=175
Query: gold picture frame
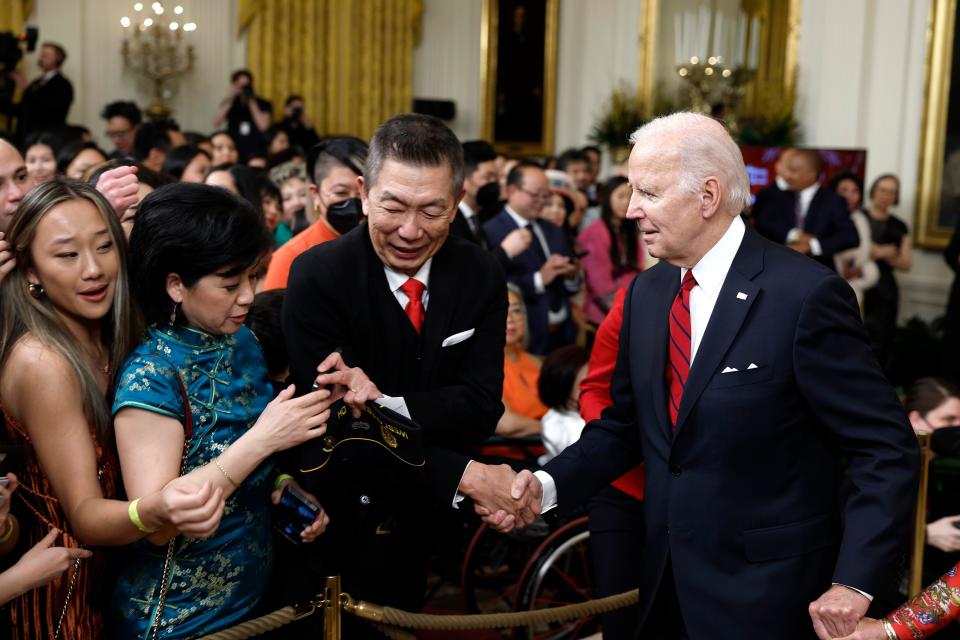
x=931, y=229
x=510, y=100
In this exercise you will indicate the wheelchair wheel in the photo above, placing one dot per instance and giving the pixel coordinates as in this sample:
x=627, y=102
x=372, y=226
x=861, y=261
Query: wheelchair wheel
x=557, y=574
x=492, y=565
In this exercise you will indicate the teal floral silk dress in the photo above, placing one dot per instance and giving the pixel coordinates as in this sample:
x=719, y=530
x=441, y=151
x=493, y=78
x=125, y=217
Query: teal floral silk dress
x=213, y=583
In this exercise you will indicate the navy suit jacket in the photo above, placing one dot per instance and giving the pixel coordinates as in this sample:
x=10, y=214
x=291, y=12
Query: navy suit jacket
x=827, y=219
x=743, y=496
x=521, y=269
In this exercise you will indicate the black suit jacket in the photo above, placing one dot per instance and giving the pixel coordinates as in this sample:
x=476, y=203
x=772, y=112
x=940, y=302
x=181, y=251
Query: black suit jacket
x=743, y=496
x=44, y=105
x=461, y=229
x=827, y=219
x=338, y=297
x=522, y=268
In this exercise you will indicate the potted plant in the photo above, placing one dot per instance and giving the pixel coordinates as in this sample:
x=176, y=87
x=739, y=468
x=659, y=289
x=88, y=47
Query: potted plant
x=622, y=116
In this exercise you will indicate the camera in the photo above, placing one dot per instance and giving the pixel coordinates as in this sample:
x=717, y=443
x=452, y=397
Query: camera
x=247, y=91
x=296, y=113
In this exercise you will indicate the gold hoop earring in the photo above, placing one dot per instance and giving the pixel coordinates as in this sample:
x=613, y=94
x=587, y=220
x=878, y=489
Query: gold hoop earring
x=173, y=314
x=36, y=290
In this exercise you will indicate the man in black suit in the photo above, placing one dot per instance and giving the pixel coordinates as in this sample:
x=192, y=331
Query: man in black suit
x=404, y=314
x=744, y=376
x=480, y=174
x=46, y=101
x=806, y=218
x=546, y=272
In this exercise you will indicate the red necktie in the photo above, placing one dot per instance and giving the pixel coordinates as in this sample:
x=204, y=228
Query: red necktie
x=414, y=309
x=678, y=361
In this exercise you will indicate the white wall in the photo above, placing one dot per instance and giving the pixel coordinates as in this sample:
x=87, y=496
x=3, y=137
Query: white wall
x=597, y=49
x=861, y=75
x=90, y=31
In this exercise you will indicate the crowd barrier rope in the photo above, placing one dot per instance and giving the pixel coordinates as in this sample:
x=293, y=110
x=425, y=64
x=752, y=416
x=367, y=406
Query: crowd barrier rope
x=392, y=622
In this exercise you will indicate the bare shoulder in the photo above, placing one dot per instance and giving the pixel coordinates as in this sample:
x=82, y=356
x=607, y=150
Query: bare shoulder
x=34, y=368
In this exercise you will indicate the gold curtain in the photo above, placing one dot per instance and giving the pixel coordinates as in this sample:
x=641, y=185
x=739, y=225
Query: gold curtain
x=14, y=13
x=351, y=60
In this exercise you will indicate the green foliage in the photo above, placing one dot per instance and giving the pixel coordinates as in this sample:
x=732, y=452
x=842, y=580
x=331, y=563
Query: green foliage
x=622, y=116
x=776, y=130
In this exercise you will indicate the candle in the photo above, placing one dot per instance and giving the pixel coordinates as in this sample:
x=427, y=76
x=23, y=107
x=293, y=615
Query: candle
x=677, y=37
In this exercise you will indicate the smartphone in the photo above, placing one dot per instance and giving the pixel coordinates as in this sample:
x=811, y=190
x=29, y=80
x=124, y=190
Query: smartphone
x=294, y=513
x=580, y=254
x=4, y=481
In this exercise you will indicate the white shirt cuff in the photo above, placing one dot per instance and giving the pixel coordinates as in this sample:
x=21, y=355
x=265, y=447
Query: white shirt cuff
x=815, y=248
x=549, y=499
x=395, y=403
x=538, y=283
x=793, y=235
x=863, y=593
x=458, y=497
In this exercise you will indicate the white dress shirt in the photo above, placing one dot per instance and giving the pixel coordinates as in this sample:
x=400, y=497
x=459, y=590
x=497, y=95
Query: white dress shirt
x=395, y=280
x=553, y=317
x=804, y=198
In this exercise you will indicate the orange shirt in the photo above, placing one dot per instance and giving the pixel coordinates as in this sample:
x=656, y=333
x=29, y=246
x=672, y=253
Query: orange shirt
x=279, y=270
x=520, y=386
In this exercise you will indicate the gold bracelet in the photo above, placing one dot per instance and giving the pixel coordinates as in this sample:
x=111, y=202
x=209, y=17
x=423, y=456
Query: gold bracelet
x=888, y=629
x=135, y=517
x=11, y=527
x=226, y=475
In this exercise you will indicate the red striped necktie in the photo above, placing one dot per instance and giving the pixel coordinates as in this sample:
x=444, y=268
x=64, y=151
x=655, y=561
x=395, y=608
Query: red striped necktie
x=678, y=360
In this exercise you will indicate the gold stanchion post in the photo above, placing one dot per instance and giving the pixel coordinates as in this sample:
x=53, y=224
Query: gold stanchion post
x=331, y=608
x=920, y=517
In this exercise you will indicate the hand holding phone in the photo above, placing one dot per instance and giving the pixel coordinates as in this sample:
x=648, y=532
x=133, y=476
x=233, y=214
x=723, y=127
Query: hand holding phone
x=294, y=513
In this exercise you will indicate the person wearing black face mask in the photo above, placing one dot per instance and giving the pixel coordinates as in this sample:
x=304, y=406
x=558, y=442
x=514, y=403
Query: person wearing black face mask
x=482, y=192
x=333, y=166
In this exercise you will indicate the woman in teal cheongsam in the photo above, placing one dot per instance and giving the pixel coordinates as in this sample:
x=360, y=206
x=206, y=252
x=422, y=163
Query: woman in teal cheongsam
x=195, y=250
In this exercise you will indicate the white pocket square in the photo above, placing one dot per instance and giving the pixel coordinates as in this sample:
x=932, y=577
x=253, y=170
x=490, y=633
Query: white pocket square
x=753, y=366
x=457, y=338
x=730, y=370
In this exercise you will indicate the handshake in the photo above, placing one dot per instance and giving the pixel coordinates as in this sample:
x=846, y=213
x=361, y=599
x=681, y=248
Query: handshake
x=504, y=499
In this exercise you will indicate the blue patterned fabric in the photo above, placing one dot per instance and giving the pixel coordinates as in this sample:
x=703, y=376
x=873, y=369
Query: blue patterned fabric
x=217, y=582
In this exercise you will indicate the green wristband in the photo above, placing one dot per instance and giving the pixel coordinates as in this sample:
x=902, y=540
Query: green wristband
x=280, y=479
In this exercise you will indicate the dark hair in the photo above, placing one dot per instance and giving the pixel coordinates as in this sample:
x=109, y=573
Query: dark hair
x=571, y=155
x=835, y=181
x=515, y=176
x=153, y=135
x=263, y=318
x=144, y=175
x=811, y=157
x=876, y=181
x=291, y=153
x=246, y=180
x=272, y=132
x=926, y=394
x=46, y=138
x=475, y=152
x=267, y=189
x=591, y=149
x=339, y=151
x=70, y=151
x=241, y=72
x=558, y=373
x=291, y=98
x=179, y=157
x=418, y=140
x=195, y=138
x=192, y=230
x=626, y=229
x=122, y=109
x=61, y=52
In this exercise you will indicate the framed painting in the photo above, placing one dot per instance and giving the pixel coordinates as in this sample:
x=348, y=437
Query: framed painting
x=938, y=188
x=519, y=75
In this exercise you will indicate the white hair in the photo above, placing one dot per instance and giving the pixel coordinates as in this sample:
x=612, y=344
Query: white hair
x=704, y=148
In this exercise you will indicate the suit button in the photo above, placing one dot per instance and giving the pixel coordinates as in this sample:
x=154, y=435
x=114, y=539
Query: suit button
x=675, y=469
x=364, y=499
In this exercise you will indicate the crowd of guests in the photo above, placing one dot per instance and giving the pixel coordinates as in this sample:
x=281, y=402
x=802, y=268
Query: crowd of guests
x=142, y=357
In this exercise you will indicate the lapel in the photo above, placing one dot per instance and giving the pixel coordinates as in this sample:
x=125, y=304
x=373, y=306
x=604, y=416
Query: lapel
x=810, y=220
x=652, y=329
x=443, y=302
x=725, y=321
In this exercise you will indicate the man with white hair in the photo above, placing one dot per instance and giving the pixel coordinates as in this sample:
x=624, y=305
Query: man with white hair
x=743, y=377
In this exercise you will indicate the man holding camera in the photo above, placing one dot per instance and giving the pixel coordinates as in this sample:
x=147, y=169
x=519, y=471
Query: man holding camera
x=247, y=115
x=295, y=122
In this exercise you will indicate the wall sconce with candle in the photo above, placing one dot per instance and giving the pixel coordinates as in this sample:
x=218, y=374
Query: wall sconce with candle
x=155, y=48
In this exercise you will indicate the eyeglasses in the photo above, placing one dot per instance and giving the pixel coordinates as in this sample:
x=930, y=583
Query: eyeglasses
x=538, y=195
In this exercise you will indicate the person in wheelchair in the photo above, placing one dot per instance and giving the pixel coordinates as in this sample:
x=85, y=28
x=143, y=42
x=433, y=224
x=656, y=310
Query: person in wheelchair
x=521, y=371
x=559, y=388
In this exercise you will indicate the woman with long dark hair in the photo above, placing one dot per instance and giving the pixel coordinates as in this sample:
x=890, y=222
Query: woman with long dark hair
x=615, y=253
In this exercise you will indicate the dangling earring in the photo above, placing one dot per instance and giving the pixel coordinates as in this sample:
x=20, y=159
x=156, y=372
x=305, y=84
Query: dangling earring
x=173, y=314
x=36, y=290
